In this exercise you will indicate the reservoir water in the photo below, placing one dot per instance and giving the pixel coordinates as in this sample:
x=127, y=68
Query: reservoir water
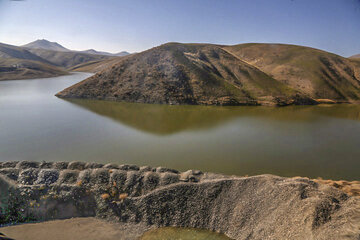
x=313, y=141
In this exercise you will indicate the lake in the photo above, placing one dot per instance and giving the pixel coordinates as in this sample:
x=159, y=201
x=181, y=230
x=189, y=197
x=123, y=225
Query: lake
x=313, y=141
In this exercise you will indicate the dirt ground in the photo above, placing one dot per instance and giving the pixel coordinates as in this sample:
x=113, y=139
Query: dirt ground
x=69, y=229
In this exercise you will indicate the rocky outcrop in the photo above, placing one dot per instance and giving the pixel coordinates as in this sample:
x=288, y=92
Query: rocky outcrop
x=259, y=207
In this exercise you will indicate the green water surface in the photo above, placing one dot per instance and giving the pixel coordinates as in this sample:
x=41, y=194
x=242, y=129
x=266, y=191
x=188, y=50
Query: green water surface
x=314, y=141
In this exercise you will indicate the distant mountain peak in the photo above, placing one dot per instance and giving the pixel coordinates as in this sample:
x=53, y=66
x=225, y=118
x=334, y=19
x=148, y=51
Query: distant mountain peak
x=45, y=44
x=93, y=51
x=54, y=46
x=355, y=56
x=123, y=53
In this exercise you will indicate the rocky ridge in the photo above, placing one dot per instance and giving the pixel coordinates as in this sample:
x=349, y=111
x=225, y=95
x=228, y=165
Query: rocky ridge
x=142, y=198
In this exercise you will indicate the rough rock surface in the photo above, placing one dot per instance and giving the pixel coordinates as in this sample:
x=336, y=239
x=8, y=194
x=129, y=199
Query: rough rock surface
x=141, y=198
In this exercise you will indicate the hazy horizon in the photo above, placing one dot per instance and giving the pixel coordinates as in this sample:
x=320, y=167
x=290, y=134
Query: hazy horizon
x=135, y=26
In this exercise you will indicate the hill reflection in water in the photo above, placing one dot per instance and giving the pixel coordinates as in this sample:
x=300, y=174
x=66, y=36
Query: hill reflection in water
x=167, y=119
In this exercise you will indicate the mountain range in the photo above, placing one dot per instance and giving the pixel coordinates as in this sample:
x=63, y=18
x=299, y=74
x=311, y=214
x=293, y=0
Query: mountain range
x=54, y=46
x=244, y=74
x=42, y=58
x=47, y=45
x=92, y=51
x=19, y=63
x=210, y=74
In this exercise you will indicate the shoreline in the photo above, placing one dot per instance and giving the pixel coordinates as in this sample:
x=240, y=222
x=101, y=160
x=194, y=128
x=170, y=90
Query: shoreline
x=37, y=77
x=316, y=102
x=282, y=103
x=87, y=228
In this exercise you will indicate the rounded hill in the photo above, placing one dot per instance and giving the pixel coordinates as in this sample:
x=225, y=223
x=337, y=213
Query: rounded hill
x=246, y=74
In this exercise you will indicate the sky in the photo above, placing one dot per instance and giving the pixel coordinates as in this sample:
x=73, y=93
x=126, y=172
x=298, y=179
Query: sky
x=137, y=25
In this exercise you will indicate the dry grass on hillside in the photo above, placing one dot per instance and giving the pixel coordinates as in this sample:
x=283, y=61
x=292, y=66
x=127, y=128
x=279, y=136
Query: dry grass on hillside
x=352, y=188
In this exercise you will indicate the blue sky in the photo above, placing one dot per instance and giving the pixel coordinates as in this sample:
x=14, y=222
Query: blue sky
x=134, y=25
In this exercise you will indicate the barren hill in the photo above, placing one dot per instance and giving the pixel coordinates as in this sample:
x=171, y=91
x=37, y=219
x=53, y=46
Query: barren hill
x=355, y=56
x=9, y=51
x=60, y=56
x=247, y=74
x=45, y=44
x=67, y=59
x=19, y=63
x=93, y=51
x=316, y=73
x=96, y=65
x=177, y=73
x=37, y=61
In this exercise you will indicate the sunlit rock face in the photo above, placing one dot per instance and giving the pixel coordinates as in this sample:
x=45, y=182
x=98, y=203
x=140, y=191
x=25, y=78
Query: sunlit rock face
x=258, y=207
